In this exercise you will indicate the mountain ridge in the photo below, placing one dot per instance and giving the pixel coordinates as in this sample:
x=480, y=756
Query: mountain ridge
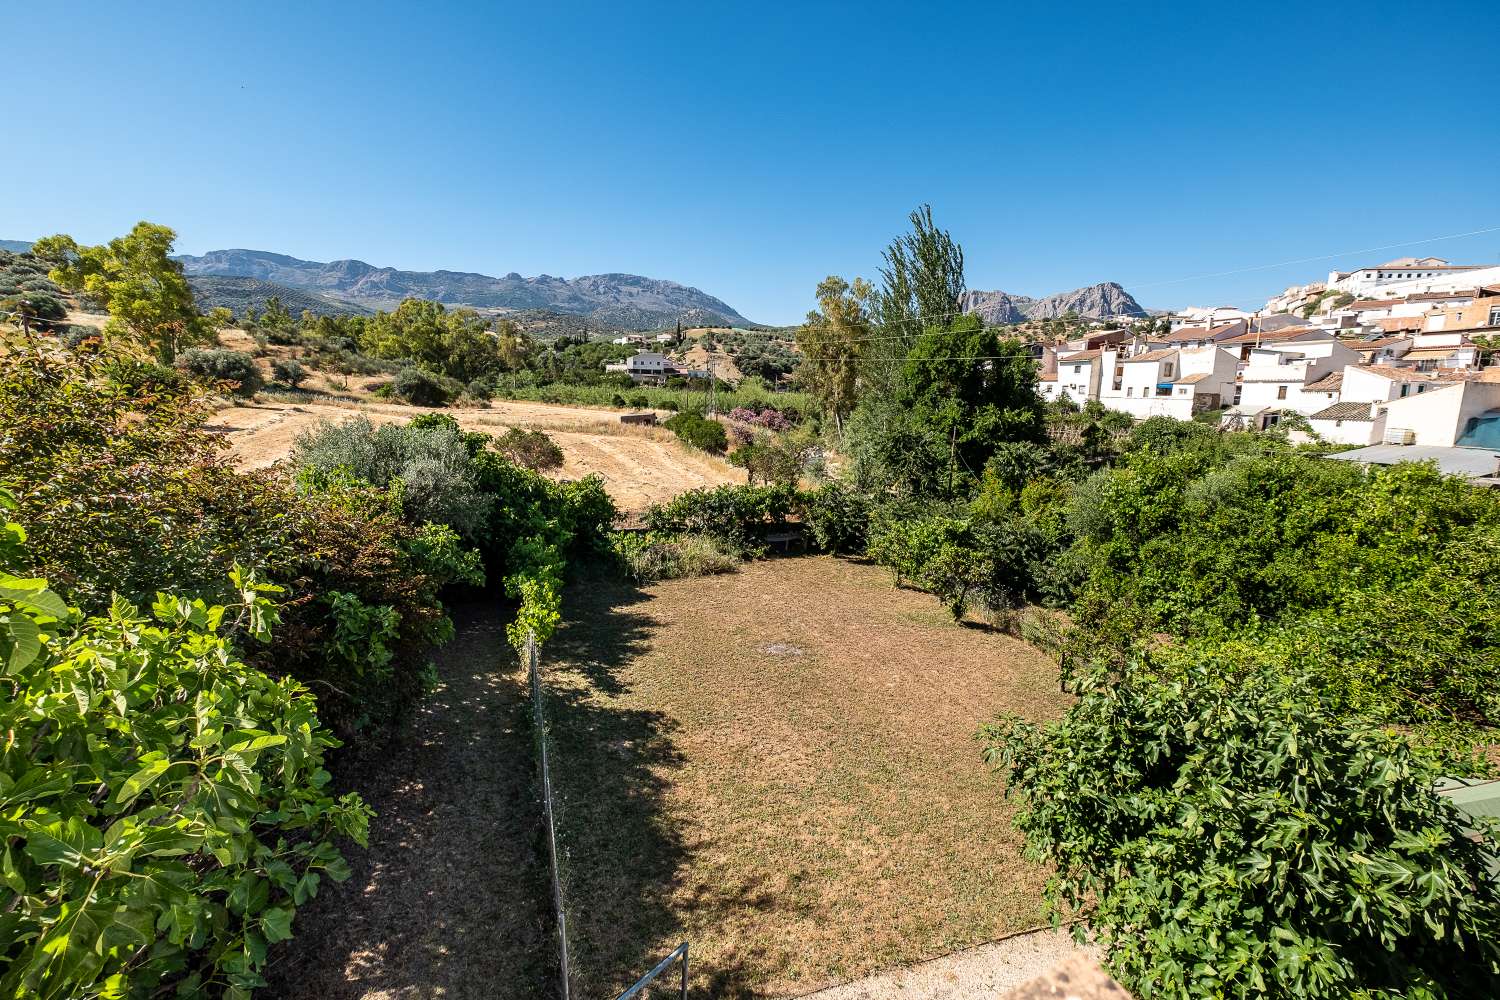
x=1105, y=300
x=614, y=298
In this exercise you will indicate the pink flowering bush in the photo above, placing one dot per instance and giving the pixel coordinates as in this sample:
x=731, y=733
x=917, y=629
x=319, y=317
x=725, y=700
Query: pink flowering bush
x=771, y=420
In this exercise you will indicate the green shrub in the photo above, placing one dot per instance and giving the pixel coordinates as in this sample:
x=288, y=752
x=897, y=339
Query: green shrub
x=289, y=371
x=533, y=449
x=122, y=492
x=428, y=466
x=650, y=557
x=421, y=388
x=839, y=516
x=739, y=516
x=165, y=806
x=235, y=367
x=1234, y=835
x=698, y=431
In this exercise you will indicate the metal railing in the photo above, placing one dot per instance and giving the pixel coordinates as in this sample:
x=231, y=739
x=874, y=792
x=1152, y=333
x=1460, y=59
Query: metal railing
x=661, y=967
x=539, y=729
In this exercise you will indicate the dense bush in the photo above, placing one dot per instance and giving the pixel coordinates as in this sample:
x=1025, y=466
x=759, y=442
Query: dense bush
x=698, y=431
x=777, y=459
x=123, y=492
x=533, y=449
x=165, y=807
x=289, y=371
x=1237, y=836
x=235, y=367
x=739, y=516
x=429, y=467
x=839, y=516
x=422, y=388
x=649, y=557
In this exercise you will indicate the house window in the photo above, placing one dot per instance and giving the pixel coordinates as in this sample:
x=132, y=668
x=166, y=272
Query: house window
x=1077, y=369
x=1494, y=316
x=1404, y=390
x=1130, y=391
x=1281, y=392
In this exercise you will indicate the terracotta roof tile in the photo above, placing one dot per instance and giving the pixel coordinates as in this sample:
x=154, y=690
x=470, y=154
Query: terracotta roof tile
x=1273, y=336
x=1161, y=354
x=1193, y=379
x=1412, y=375
x=1344, y=411
x=1332, y=382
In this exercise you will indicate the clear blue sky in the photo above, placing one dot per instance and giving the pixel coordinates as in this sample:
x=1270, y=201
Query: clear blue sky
x=751, y=150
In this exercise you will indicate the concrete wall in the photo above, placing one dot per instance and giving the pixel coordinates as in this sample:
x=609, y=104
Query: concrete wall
x=1438, y=416
x=1359, y=432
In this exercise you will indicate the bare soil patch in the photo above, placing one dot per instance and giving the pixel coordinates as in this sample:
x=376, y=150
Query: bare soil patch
x=640, y=465
x=802, y=819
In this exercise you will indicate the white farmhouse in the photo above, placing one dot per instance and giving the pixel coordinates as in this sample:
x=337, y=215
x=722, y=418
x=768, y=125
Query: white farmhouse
x=1397, y=272
x=1168, y=382
x=1077, y=377
x=1279, y=376
x=645, y=366
x=1463, y=414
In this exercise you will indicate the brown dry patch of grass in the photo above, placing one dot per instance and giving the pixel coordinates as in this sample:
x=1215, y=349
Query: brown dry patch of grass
x=779, y=767
x=640, y=465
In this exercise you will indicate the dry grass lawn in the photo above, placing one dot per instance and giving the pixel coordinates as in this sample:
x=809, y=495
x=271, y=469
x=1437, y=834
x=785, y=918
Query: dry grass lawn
x=779, y=766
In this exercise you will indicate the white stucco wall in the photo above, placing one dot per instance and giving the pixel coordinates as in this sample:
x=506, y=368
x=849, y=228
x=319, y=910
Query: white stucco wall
x=1438, y=416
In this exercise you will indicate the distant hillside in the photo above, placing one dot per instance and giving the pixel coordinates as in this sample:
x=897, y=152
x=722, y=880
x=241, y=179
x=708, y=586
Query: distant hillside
x=1102, y=301
x=616, y=300
x=237, y=294
x=15, y=246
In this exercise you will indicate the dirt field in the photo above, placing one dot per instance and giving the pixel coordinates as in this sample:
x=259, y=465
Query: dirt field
x=641, y=465
x=778, y=766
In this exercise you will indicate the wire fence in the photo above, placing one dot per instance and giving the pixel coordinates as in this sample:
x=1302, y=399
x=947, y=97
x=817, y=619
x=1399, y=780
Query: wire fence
x=549, y=812
x=542, y=740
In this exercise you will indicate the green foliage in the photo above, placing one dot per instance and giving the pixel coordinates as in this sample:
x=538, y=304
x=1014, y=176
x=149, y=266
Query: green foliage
x=974, y=390
x=1233, y=835
x=833, y=340
x=422, y=388
x=122, y=492
x=647, y=558
x=698, y=431
x=532, y=449
x=234, y=367
x=457, y=345
x=839, y=516
x=738, y=516
x=427, y=465
x=774, y=458
x=135, y=278
x=289, y=371
x=165, y=809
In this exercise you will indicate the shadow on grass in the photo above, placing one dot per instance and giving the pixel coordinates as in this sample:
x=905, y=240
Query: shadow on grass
x=623, y=852
x=451, y=897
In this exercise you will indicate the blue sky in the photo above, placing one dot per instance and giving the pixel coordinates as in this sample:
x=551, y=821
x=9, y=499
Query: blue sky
x=751, y=150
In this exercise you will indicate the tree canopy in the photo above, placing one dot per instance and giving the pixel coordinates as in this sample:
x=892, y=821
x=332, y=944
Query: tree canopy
x=833, y=339
x=135, y=279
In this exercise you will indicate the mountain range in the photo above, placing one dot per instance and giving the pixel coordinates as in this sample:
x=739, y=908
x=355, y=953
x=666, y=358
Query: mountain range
x=627, y=301
x=1102, y=301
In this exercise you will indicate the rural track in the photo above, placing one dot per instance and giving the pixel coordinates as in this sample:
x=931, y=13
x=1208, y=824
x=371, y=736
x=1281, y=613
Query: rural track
x=449, y=900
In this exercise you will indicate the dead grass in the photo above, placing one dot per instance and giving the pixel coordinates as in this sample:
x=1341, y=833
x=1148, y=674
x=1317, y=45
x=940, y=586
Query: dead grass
x=640, y=465
x=779, y=767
